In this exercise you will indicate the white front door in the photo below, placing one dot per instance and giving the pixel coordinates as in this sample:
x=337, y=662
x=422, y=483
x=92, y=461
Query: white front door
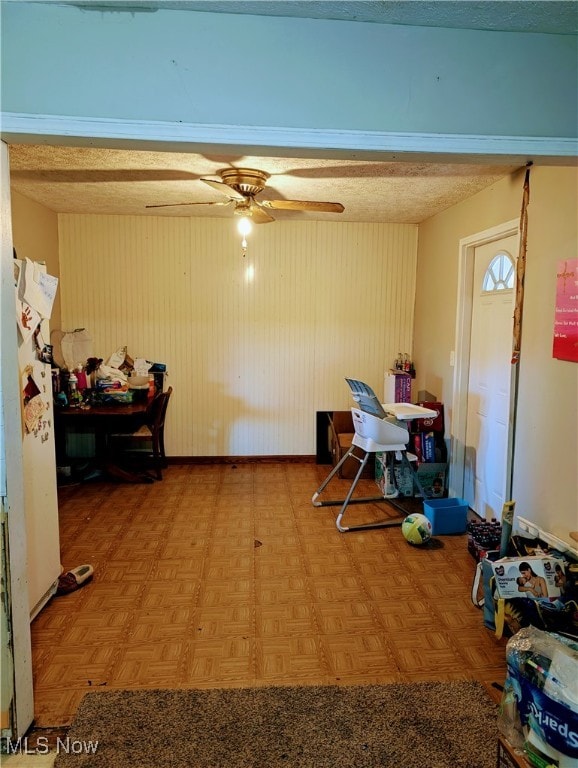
x=488, y=417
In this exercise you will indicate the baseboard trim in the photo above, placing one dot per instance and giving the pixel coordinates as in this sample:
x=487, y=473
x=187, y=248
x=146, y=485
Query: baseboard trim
x=241, y=459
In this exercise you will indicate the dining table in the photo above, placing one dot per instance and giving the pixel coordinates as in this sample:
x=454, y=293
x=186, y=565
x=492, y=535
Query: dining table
x=102, y=420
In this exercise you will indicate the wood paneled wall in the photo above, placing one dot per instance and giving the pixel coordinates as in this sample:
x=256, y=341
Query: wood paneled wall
x=254, y=346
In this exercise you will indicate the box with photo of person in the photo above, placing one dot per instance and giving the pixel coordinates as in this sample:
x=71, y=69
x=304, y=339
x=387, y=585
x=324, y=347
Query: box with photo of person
x=527, y=577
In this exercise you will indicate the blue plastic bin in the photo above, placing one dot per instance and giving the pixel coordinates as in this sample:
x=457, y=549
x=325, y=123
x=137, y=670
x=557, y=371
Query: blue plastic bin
x=446, y=515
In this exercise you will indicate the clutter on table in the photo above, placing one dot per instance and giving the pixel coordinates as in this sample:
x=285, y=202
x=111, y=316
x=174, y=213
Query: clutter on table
x=92, y=381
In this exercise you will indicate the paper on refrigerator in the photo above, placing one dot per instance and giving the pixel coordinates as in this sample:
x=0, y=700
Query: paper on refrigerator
x=37, y=288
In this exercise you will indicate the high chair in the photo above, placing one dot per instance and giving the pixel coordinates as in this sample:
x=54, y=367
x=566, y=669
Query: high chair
x=378, y=428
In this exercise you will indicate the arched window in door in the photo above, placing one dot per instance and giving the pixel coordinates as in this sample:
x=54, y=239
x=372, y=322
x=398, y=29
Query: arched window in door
x=500, y=274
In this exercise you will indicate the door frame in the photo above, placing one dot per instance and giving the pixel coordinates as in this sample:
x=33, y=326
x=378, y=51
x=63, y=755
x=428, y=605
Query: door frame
x=467, y=247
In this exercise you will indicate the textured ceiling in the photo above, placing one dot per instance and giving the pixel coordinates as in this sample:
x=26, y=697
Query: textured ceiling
x=89, y=180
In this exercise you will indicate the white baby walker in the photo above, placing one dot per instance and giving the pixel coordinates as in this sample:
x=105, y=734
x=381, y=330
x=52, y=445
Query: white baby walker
x=378, y=428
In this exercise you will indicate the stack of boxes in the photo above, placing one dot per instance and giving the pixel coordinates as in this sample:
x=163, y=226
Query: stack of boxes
x=426, y=442
x=431, y=463
x=397, y=389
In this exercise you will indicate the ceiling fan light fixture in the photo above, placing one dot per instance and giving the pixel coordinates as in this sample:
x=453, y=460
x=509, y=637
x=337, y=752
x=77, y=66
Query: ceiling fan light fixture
x=244, y=226
x=242, y=185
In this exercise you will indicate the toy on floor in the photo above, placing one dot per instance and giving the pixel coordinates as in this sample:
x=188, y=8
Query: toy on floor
x=416, y=529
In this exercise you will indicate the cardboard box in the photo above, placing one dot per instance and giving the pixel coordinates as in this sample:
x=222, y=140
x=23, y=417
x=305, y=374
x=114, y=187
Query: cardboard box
x=446, y=515
x=428, y=446
x=341, y=434
x=432, y=476
x=397, y=387
x=403, y=477
x=431, y=423
x=529, y=577
x=509, y=757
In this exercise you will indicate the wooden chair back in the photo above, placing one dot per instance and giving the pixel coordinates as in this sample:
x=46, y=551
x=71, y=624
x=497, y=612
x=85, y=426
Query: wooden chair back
x=157, y=411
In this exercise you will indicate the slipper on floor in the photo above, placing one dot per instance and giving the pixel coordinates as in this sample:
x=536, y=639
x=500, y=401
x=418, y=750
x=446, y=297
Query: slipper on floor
x=74, y=579
x=118, y=473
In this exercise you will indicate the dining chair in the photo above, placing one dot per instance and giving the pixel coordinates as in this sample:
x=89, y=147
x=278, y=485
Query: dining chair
x=149, y=439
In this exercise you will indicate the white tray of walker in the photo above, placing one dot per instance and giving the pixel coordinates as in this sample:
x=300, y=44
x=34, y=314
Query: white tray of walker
x=408, y=411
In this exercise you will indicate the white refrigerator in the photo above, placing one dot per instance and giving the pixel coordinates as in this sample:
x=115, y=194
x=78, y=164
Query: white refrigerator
x=38, y=455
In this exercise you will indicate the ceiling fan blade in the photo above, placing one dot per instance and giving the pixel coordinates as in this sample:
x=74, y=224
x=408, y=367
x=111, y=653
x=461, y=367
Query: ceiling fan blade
x=258, y=215
x=224, y=189
x=172, y=205
x=302, y=205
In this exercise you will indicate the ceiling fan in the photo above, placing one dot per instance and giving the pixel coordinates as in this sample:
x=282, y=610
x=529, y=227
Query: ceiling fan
x=242, y=185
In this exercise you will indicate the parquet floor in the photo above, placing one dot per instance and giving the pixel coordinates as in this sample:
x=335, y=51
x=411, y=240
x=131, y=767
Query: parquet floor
x=226, y=575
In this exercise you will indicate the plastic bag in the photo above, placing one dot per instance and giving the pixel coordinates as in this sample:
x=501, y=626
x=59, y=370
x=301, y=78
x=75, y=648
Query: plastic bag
x=71, y=348
x=483, y=588
x=539, y=708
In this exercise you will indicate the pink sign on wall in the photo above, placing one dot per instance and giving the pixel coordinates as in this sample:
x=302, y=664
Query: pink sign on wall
x=565, y=345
